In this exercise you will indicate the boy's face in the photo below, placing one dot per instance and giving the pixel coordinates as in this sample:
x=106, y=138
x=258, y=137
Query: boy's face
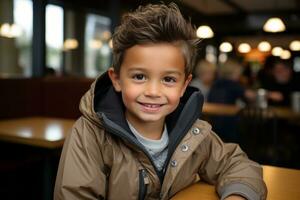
x=152, y=80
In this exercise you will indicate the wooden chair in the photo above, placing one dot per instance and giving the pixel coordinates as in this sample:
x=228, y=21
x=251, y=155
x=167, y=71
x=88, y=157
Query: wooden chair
x=258, y=133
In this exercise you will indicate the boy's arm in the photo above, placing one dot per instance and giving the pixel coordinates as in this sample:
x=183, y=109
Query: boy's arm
x=231, y=171
x=80, y=173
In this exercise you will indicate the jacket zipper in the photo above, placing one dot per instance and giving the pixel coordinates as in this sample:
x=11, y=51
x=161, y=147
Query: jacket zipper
x=143, y=184
x=107, y=174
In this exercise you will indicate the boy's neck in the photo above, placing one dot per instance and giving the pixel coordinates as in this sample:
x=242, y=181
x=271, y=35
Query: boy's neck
x=149, y=130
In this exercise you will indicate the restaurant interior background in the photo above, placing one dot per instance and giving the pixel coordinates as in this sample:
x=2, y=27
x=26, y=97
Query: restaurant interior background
x=51, y=51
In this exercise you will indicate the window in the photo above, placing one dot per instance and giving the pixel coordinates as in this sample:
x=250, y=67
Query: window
x=77, y=43
x=16, y=38
x=97, y=45
x=54, y=37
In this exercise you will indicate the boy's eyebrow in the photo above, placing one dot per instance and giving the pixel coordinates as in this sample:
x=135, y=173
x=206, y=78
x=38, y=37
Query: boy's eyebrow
x=173, y=72
x=165, y=72
x=137, y=69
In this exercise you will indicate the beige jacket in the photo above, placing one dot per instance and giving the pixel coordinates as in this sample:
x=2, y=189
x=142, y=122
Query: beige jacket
x=101, y=159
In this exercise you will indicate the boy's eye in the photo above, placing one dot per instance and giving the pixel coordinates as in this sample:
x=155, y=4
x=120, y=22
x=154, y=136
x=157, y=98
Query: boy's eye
x=169, y=79
x=139, y=77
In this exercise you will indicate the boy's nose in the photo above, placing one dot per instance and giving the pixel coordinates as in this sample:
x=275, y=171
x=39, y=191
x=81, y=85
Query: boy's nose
x=153, y=89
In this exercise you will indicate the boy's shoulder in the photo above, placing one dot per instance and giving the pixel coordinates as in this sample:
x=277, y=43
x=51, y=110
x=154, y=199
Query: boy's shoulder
x=201, y=127
x=86, y=128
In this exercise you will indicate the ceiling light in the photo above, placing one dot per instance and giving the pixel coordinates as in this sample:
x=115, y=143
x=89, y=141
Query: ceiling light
x=276, y=51
x=244, y=48
x=285, y=54
x=264, y=46
x=295, y=45
x=274, y=25
x=225, y=47
x=205, y=32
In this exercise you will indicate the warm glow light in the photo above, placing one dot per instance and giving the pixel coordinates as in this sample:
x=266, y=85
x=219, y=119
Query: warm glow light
x=223, y=57
x=264, y=46
x=274, y=25
x=25, y=132
x=285, y=54
x=10, y=31
x=244, y=48
x=295, y=45
x=70, y=44
x=110, y=43
x=95, y=44
x=106, y=35
x=276, y=51
x=205, y=32
x=5, y=30
x=225, y=47
x=211, y=57
x=53, y=132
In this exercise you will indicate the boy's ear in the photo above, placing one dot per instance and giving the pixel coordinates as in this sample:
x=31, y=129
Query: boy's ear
x=115, y=79
x=186, y=83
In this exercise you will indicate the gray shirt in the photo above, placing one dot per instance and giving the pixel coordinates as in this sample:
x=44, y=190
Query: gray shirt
x=158, y=149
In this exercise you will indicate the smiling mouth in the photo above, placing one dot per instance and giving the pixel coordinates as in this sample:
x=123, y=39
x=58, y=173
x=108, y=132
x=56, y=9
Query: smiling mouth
x=151, y=107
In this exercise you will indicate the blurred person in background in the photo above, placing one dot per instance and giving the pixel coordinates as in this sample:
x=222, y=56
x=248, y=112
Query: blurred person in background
x=264, y=75
x=281, y=82
x=228, y=90
x=205, y=73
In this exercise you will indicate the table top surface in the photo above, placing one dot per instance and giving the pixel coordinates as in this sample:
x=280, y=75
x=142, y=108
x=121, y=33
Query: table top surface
x=282, y=183
x=36, y=131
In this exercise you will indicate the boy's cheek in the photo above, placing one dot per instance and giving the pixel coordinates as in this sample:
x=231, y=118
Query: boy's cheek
x=174, y=99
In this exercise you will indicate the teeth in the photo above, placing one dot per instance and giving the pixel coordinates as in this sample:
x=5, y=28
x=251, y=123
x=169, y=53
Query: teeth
x=151, y=105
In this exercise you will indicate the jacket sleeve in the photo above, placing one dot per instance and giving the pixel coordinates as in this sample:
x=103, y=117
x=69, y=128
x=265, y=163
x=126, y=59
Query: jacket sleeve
x=81, y=172
x=229, y=168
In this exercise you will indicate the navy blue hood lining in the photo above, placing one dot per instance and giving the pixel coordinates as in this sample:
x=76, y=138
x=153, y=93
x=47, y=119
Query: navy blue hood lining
x=109, y=102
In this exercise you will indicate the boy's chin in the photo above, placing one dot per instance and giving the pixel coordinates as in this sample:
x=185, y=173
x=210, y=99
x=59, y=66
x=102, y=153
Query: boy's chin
x=152, y=119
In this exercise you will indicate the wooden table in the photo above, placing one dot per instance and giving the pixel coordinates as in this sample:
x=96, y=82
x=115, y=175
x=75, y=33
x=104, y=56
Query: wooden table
x=220, y=109
x=41, y=132
x=282, y=184
x=36, y=131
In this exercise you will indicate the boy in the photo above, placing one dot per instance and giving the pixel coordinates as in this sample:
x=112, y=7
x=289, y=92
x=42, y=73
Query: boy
x=140, y=136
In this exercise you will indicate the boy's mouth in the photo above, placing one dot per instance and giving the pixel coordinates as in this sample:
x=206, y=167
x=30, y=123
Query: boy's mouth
x=151, y=106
